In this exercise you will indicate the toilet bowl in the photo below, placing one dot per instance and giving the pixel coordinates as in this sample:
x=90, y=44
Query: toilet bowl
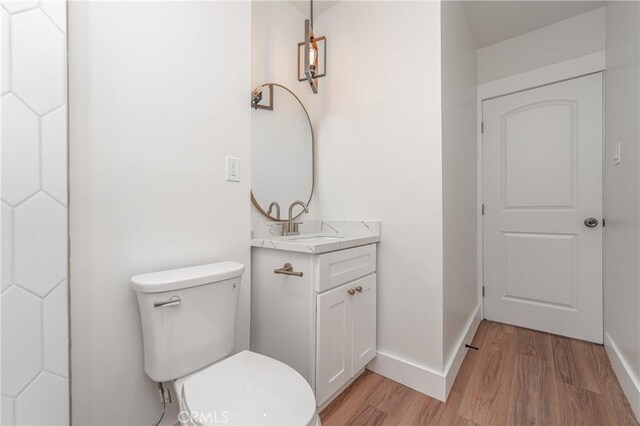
x=188, y=320
x=246, y=389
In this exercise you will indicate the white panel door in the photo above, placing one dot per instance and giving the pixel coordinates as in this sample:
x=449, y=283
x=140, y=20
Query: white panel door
x=364, y=321
x=334, y=349
x=542, y=152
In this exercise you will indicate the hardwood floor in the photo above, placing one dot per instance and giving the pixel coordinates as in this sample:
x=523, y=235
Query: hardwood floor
x=518, y=377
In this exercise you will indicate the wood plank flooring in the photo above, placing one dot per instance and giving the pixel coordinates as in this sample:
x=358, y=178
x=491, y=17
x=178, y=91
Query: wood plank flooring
x=518, y=377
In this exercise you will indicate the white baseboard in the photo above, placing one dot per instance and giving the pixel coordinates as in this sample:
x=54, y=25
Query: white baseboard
x=625, y=375
x=415, y=376
x=455, y=361
x=432, y=383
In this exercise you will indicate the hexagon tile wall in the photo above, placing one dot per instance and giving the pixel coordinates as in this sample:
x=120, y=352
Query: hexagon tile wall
x=35, y=342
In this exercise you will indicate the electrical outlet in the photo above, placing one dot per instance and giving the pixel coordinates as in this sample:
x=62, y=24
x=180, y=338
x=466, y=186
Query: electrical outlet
x=233, y=169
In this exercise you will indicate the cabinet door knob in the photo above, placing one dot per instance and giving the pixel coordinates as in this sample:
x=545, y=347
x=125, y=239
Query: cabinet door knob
x=359, y=289
x=351, y=291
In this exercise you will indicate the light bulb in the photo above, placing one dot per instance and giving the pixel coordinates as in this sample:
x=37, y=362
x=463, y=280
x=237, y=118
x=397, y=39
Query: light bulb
x=313, y=55
x=313, y=58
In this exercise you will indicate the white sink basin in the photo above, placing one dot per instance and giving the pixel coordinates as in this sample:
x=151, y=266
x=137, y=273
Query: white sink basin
x=317, y=236
x=317, y=239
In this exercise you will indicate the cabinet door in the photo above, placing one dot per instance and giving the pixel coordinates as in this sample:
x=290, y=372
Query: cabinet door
x=364, y=321
x=334, y=359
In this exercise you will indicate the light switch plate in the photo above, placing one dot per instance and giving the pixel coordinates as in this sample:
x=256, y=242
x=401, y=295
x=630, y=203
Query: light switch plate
x=233, y=169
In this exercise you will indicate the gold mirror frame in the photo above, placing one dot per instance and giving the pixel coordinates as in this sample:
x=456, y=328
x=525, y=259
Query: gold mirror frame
x=313, y=150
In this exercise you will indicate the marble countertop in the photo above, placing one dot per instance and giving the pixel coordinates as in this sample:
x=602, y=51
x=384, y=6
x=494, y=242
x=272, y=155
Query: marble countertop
x=316, y=236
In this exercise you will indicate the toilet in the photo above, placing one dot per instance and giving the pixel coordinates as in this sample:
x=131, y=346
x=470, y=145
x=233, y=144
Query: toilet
x=188, y=325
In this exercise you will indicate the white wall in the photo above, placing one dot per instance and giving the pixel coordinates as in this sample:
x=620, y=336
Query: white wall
x=622, y=196
x=571, y=38
x=35, y=343
x=459, y=175
x=159, y=96
x=380, y=158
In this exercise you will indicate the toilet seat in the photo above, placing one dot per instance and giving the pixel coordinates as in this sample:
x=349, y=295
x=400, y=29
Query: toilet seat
x=247, y=389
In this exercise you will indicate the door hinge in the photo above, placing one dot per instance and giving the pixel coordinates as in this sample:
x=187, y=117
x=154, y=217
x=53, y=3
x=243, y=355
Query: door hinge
x=482, y=127
x=483, y=210
x=482, y=291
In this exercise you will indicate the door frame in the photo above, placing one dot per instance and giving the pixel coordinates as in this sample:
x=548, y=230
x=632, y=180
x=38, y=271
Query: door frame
x=556, y=73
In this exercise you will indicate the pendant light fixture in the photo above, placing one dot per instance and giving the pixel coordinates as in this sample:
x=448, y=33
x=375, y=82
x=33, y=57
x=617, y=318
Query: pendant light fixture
x=310, y=66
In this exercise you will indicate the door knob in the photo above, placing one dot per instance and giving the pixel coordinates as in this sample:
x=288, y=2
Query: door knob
x=351, y=291
x=591, y=222
x=359, y=289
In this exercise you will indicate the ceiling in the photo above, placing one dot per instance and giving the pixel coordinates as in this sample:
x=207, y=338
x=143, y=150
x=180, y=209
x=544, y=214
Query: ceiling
x=495, y=21
x=319, y=6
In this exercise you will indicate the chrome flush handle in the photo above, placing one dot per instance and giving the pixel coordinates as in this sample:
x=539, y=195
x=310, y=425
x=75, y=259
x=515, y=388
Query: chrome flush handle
x=174, y=301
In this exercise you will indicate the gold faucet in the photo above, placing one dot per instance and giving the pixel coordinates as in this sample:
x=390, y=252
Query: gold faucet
x=291, y=227
x=277, y=206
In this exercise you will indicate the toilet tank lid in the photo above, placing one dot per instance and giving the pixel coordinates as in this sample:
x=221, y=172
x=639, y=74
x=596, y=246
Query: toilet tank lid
x=192, y=276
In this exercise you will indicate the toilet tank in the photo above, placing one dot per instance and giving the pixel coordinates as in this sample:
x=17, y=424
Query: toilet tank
x=188, y=317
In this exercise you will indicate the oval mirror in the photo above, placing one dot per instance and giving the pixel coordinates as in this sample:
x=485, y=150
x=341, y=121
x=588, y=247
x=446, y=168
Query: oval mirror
x=282, y=145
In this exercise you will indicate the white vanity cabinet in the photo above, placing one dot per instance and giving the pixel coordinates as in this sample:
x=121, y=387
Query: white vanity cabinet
x=323, y=324
x=346, y=336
